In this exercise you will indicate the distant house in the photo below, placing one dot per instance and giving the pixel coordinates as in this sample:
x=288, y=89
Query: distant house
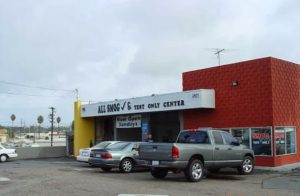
x=57, y=134
x=3, y=136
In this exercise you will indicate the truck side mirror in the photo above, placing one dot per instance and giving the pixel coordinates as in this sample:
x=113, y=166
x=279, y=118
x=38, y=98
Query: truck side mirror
x=240, y=141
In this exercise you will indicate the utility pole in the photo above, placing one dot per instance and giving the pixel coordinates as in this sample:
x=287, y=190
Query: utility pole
x=51, y=119
x=20, y=129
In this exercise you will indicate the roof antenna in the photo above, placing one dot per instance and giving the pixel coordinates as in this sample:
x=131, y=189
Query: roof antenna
x=218, y=52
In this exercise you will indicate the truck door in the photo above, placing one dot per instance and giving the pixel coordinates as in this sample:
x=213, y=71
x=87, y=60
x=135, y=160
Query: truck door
x=224, y=154
x=234, y=151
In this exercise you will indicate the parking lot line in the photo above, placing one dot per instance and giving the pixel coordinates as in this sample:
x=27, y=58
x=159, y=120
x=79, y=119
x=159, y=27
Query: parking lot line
x=140, y=195
x=3, y=179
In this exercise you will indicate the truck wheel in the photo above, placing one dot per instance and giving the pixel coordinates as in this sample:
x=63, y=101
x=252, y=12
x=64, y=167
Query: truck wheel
x=3, y=158
x=106, y=169
x=247, y=166
x=194, y=171
x=126, y=165
x=159, y=173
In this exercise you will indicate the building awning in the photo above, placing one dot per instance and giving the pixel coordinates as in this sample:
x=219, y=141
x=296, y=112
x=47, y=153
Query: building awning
x=201, y=98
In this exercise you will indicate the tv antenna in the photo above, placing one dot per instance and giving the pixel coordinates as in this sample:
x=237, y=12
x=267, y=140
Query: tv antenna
x=218, y=52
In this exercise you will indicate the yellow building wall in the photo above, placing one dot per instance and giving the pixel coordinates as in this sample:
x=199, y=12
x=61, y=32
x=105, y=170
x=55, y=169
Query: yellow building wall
x=3, y=138
x=84, y=130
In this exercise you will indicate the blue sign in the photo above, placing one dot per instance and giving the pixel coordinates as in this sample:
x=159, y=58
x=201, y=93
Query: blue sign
x=145, y=128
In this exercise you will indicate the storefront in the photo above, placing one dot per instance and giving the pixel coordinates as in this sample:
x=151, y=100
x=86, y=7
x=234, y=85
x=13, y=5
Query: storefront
x=134, y=119
x=257, y=101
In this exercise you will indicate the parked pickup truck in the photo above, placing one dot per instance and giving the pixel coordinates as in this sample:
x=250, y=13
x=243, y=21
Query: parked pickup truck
x=196, y=151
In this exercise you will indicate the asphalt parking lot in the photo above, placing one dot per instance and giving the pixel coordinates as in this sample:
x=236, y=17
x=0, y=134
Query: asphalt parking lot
x=63, y=176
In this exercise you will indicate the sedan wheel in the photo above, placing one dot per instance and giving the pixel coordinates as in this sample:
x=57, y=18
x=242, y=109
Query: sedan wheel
x=3, y=158
x=126, y=165
x=247, y=166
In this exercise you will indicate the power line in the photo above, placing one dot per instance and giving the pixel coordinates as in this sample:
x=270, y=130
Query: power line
x=30, y=86
x=75, y=91
x=34, y=95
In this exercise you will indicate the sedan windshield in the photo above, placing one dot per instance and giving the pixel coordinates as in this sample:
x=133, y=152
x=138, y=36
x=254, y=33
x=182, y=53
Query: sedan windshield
x=118, y=146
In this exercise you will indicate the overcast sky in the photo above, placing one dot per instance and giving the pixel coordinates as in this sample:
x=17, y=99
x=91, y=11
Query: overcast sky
x=128, y=48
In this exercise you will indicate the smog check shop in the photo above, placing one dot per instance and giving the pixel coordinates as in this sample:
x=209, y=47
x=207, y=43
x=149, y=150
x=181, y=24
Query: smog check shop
x=133, y=119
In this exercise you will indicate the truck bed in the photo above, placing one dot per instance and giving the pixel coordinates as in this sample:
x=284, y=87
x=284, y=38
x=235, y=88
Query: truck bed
x=156, y=151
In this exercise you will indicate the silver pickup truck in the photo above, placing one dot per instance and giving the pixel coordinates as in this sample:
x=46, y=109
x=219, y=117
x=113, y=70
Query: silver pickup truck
x=196, y=151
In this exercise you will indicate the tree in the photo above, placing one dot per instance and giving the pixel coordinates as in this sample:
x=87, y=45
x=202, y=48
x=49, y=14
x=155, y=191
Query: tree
x=12, y=118
x=58, y=120
x=40, y=120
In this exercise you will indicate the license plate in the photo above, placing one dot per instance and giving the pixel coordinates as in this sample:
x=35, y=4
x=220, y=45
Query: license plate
x=85, y=154
x=97, y=155
x=155, y=162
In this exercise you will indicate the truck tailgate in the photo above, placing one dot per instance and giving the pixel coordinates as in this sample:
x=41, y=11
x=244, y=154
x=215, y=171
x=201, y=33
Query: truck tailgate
x=156, y=151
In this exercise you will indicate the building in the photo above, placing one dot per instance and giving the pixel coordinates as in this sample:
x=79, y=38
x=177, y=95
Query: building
x=133, y=119
x=257, y=101
x=3, y=136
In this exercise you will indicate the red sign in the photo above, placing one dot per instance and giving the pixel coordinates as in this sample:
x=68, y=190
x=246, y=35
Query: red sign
x=260, y=135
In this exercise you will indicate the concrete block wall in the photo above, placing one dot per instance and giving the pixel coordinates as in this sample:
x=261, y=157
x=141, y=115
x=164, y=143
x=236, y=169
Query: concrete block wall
x=267, y=94
x=286, y=102
x=247, y=104
x=41, y=152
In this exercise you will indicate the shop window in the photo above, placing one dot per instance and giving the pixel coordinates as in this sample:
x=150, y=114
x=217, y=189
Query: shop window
x=285, y=140
x=261, y=141
x=242, y=134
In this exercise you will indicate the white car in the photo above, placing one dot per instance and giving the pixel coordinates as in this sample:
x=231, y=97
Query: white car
x=84, y=153
x=6, y=154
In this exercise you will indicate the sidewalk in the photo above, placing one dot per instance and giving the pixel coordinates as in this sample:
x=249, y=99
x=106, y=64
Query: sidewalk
x=288, y=179
x=282, y=169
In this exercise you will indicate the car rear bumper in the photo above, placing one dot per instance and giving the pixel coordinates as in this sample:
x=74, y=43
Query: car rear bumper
x=166, y=164
x=82, y=159
x=103, y=162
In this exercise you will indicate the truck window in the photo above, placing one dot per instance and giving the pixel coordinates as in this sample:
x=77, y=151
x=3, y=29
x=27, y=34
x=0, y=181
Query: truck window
x=228, y=138
x=218, y=137
x=196, y=137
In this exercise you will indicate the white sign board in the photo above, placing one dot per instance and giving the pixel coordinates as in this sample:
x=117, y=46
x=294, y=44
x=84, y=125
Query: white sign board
x=132, y=121
x=202, y=98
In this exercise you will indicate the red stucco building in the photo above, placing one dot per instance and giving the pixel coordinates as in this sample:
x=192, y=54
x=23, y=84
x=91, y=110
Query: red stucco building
x=256, y=100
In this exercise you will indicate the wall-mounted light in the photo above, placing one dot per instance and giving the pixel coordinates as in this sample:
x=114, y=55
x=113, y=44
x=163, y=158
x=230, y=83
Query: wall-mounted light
x=83, y=109
x=234, y=83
